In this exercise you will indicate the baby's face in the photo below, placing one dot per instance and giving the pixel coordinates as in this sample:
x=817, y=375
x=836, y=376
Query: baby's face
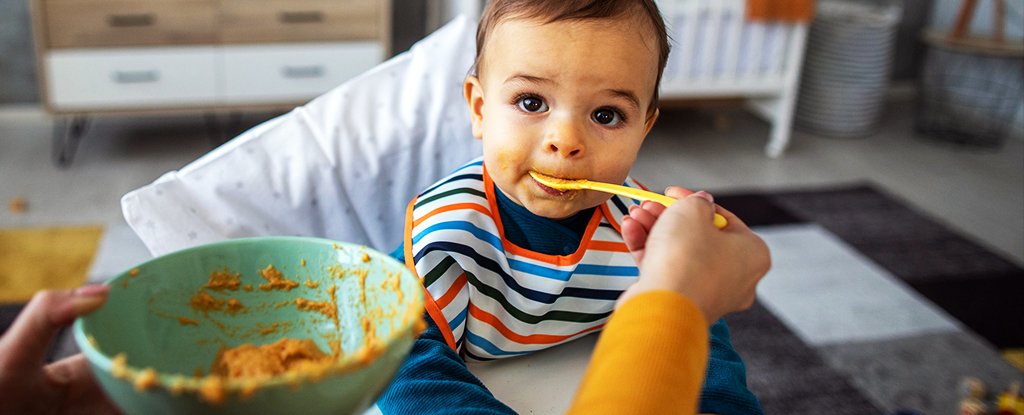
x=568, y=99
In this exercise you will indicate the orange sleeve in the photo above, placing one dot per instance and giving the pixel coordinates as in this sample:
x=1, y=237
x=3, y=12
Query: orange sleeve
x=650, y=359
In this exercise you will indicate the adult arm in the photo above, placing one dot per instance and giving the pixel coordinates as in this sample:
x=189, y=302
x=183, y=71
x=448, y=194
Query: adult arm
x=651, y=356
x=660, y=349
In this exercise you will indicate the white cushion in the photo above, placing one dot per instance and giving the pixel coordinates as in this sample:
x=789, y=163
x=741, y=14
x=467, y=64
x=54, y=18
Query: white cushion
x=344, y=166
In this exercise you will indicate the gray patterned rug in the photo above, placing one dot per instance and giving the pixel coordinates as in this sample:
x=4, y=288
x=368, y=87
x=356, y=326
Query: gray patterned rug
x=871, y=306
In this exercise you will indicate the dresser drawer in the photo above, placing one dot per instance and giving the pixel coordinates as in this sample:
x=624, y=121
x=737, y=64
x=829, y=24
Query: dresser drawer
x=132, y=77
x=100, y=23
x=250, y=21
x=293, y=72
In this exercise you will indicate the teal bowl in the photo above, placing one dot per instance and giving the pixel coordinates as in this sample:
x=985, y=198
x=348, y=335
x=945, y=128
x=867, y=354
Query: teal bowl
x=153, y=344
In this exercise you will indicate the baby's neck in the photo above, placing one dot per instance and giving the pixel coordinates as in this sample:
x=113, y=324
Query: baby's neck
x=540, y=234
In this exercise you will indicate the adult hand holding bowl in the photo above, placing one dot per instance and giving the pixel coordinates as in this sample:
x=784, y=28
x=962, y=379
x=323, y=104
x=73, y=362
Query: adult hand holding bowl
x=352, y=311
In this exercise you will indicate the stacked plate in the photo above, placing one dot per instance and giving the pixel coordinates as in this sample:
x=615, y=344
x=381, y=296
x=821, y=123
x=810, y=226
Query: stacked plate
x=846, y=68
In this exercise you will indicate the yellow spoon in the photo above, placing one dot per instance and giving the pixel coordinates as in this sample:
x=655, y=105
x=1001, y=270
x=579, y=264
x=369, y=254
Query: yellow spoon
x=581, y=184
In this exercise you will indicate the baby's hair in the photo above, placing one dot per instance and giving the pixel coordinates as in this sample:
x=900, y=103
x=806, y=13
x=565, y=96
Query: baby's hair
x=550, y=11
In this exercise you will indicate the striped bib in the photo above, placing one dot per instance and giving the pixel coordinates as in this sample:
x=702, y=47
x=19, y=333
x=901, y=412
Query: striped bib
x=492, y=299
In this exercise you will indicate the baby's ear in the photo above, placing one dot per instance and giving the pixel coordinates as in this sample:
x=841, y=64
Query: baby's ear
x=475, y=99
x=650, y=121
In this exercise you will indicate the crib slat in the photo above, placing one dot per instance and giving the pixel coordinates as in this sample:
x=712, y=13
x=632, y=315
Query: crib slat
x=688, y=13
x=796, y=46
x=784, y=33
x=711, y=47
x=769, y=55
x=737, y=11
x=755, y=50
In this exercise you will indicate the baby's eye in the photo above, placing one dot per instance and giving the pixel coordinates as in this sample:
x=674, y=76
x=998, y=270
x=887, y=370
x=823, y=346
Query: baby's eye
x=532, y=104
x=606, y=116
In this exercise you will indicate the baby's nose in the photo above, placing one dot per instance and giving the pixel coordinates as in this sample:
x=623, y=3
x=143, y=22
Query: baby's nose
x=566, y=140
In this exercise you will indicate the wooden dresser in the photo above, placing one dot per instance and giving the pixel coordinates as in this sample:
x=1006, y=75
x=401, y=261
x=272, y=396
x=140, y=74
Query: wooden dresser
x=134, y=56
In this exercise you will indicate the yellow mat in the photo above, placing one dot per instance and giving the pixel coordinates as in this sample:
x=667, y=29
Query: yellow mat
x=1015, y=357
x=32, y=259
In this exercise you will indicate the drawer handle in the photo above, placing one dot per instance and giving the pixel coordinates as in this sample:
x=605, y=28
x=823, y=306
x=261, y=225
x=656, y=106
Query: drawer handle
x=303, y=72
x=131, y=20
x=136, y=77
x=311, y=16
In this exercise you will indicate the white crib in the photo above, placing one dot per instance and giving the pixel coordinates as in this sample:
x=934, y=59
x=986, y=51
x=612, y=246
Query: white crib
x=718, y=53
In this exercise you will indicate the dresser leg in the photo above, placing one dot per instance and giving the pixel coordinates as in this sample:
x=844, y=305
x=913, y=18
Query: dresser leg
x=67, y=134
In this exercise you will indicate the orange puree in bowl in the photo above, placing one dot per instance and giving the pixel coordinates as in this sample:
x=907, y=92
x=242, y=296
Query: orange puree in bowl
x=203, y=301
x=220, y=280
x=276, y=280
x=286, y=355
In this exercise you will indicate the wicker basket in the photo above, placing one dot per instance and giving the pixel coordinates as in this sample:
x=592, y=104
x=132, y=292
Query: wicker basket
x=969, y=92
x=971, y=87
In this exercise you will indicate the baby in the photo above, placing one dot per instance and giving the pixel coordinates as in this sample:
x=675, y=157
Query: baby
x=568, y=89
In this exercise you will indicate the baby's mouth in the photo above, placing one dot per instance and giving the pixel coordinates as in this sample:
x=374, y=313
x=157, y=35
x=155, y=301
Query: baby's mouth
x=549, y=190
x=552, y=191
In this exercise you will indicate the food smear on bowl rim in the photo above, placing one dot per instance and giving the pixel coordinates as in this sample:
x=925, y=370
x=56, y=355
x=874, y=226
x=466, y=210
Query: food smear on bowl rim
x=276, y=280
x=224, y=280
x=119, y=366
x=362, y=274
x=176, y=385
x=212, y=389
x=234, y=306
x=393, y=283
x=327, y=308
x=271, y=329
x=204, y=302
x=145, y=379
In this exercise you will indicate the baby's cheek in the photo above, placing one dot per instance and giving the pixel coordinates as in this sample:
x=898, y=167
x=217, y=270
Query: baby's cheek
x=502, y=159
